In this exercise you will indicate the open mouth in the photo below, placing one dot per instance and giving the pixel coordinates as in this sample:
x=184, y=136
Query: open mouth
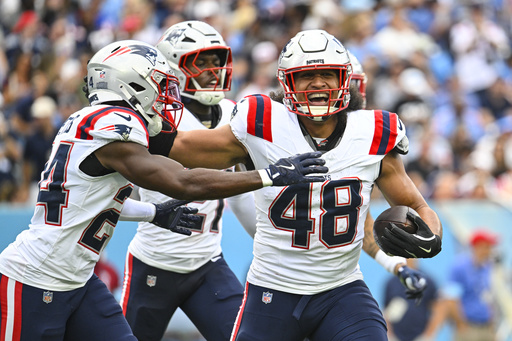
x=318, y=99
x=212, y=84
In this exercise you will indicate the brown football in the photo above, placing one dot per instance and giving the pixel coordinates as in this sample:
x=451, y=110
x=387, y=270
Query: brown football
x=396, y=215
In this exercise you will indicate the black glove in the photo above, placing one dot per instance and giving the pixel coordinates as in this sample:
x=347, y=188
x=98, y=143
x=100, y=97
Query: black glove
x=172, y=215
x=422, y=244
x=293, y=170
x=414, y=282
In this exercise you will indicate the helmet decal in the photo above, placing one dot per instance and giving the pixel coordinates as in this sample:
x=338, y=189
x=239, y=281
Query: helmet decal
x=174, y=36
x=145, y=51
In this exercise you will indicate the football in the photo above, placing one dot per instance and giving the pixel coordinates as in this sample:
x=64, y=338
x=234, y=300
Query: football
x=396, y=215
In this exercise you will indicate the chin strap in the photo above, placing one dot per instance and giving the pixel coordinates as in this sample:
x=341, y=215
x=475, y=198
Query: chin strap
x=204, y=97
x=154, y=121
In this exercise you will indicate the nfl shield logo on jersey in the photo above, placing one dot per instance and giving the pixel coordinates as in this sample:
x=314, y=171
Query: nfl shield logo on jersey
x=267, y=297
x=151, y=281
x=47, y=297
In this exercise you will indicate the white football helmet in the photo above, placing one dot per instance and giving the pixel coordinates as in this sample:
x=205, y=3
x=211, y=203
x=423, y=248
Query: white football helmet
x=181, y=44
x=314, y=50
x=138, y=74
x=359, y=78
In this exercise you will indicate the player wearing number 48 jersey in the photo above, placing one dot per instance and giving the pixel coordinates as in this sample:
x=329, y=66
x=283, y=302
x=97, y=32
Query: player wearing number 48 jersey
x=47, y=287
x=304, y=280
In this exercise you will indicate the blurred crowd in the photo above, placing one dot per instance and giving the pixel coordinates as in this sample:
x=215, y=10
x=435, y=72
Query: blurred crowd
x=445, y=66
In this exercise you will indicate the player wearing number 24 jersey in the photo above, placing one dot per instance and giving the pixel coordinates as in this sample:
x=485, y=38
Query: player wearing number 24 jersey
x=304, y=280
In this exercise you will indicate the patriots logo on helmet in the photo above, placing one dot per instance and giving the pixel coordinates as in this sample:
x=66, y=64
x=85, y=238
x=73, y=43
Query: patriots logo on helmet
x=123, y=130
x=144, y=51
x=174, y=35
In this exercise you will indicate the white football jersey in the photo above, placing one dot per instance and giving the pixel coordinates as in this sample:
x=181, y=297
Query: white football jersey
x=309, y=236
x=75, y=214
x=172, y=251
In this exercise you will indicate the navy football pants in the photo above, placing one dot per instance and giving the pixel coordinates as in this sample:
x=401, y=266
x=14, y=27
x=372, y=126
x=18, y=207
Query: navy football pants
x=210, y=296
x=84, y=314
x=345, y=313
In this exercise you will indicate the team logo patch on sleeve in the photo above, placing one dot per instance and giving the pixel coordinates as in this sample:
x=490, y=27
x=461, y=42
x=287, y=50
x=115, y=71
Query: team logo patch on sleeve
x=384, y=136
x=121, y=129
x=259, y=119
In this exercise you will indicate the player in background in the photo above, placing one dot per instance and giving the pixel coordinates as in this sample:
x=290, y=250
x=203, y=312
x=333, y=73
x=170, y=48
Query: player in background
x=413, y=280
x=304, y=280
x=47, y=287
x=166, y=270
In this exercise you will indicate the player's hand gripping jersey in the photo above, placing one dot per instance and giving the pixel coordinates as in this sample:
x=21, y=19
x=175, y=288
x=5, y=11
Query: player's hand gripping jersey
x=309, y=236
x=174, y=252
x=66, y=235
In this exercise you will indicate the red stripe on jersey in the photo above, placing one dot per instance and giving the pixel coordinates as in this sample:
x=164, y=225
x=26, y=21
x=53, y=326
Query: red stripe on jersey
x=393, y=133
x=128, y=271
x=385, y=133
x=240, y=314
x=259, y=118
x=377, y=135
x=88, y=122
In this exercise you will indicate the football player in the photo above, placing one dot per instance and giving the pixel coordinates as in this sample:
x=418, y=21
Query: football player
x=165, y=271
x=304, y=280
x=47, y=286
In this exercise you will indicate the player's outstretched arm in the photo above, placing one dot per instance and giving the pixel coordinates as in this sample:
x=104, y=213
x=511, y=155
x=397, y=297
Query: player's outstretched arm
x=209, y=148
x=167, y=176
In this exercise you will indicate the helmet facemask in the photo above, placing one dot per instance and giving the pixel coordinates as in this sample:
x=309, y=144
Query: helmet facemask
x=220, y=75
x=168, y=104
x=302, y=102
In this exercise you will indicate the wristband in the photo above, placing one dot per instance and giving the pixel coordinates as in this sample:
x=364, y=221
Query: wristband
x=265, y=178
x=134, y=210
x=389, y=262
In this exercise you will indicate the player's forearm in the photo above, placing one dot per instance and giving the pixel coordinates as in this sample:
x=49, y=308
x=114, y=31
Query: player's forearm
x=430, y=217
x=211, y=148
x=207, y=184
x=369, y=244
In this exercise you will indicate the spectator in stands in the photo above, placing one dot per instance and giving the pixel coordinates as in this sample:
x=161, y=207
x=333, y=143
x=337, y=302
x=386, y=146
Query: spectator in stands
x=468, y=300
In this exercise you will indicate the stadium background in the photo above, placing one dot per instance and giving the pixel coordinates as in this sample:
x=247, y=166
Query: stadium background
x=445, y=66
